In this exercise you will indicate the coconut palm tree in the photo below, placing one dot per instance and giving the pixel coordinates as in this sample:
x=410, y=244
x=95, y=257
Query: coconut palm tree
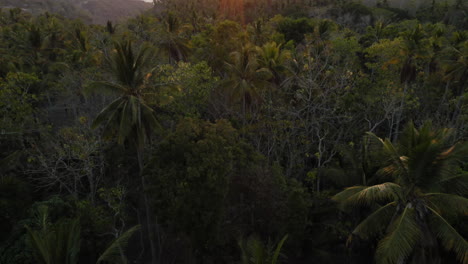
x=415, y=47
x=412, y=211
x=129, y=117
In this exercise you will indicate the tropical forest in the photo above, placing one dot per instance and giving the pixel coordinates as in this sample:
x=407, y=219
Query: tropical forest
x=233, y=132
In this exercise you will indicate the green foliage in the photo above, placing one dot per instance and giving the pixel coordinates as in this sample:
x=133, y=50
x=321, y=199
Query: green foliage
x=17, y=100
x=216, y=42
x=185, y=89
x=189, y=174
x=255, y=252
x=293, y=29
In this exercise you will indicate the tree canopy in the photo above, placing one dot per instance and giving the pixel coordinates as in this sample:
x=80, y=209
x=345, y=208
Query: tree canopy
x=228, y=131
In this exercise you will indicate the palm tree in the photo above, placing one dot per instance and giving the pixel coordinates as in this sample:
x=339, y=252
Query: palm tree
x=412, y=210
x=129, y=116
x=415, y=46
x=455, y=64
x=258, y=33
x=174, y=39
x=246, y=77
x=273, y=58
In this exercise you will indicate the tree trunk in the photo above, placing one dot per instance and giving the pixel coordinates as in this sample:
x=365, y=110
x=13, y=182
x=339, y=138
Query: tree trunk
x=400, y=114
x=147, y=208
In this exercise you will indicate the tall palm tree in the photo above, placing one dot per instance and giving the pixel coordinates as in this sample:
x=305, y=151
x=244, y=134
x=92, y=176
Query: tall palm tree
x=412, y=211
x=129, y=116
x=415, y=47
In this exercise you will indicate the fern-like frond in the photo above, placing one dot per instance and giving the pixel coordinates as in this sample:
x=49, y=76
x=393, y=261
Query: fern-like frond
x=40, y=244
x=57, y=244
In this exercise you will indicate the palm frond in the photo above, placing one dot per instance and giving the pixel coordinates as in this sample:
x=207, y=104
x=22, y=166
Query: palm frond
x=448, y=204
x=344, y=195
x=376, y=223
x=404, y=234
x=393, y=153
x=148, y=115
x=277, y=252
x=367, y=195
x=58, y=244
x=457, y=184
x=450, y=238
x=126, y=122
x=40, y=244
x=253, y=250
x=107, y=113
x=114, y=253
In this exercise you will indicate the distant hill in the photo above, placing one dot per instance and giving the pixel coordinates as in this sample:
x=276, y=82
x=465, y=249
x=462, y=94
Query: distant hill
x=91, y=11
x=114, y=10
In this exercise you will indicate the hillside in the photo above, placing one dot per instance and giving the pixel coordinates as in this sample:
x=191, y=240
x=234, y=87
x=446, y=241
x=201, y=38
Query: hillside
x=114, y=10
x=91, y=11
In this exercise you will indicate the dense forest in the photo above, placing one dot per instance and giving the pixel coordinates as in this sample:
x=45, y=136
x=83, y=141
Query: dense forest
x=237, y=132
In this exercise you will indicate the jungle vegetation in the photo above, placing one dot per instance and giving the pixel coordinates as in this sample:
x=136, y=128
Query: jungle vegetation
x=236, y=131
